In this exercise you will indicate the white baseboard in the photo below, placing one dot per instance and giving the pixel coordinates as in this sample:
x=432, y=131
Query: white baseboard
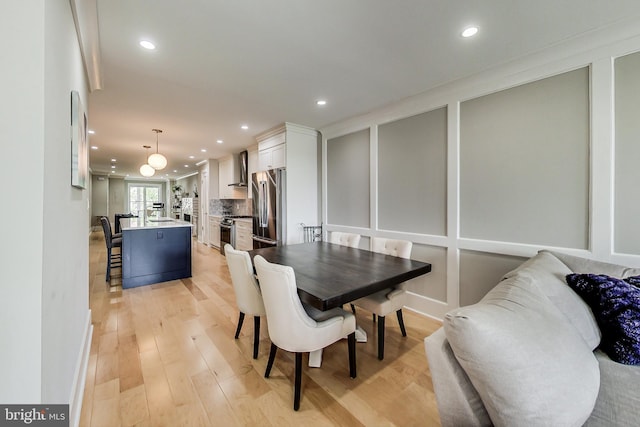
x=80, y=375
x=427, y=306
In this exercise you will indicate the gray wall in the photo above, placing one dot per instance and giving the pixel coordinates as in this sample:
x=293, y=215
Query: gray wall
x=627, y=155
x=524, y=159
x=412, y=174
x=348, y=181
x=540, y=153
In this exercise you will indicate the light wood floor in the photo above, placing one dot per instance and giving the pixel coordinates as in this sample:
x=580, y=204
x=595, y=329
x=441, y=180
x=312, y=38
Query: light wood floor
x=164, y=355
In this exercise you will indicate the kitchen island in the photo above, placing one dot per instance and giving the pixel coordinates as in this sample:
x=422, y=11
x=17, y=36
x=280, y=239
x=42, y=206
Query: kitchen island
x=154, y=250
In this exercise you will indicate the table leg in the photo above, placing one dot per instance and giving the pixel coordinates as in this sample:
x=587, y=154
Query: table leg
x=315, y=359
x=361, y=335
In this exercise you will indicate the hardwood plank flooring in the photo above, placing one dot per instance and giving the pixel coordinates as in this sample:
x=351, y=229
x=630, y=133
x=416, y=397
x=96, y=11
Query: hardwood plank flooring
x=164, y=355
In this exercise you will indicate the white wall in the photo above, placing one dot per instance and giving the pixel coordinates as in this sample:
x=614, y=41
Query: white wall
x=45, y=326
x=65, y=272
x=22, y=125
x=497, y=254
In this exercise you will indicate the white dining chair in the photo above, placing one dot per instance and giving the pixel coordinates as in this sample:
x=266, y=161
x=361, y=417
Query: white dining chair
x=387, y=301
x=345, y=239
x=292, y=329
x=248, y=295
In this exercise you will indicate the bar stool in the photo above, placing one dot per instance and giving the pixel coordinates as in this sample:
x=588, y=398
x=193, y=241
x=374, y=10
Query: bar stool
x=114, y=260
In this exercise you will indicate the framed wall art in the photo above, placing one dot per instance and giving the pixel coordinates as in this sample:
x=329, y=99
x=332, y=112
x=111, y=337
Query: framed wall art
x=79, y=143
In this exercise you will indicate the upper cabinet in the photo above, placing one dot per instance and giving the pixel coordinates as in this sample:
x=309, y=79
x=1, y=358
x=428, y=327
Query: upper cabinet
x=227, y=175
x=272, y=152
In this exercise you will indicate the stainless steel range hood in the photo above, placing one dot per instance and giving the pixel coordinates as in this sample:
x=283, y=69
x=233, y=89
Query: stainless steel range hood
x=240, y=169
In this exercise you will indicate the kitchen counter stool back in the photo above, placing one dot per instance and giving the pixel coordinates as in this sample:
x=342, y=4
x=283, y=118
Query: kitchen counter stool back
x=114, y=259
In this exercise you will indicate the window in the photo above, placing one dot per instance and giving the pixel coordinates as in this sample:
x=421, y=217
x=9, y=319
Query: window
x=142, y=197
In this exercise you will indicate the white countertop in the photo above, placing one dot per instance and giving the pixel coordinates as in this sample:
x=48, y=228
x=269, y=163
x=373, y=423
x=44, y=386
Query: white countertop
x=160, y=222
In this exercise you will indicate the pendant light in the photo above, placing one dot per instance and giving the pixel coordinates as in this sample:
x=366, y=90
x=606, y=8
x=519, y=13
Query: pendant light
x=146, y=170
x=157, y=160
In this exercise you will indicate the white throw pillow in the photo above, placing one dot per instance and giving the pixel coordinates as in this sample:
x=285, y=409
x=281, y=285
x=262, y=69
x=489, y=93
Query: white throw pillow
x=529, y=365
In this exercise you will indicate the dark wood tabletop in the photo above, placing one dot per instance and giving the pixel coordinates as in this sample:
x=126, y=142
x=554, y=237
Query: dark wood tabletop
x=330, y=275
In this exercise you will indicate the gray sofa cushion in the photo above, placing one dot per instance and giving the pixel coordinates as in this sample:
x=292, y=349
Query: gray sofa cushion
x=529, y=366
x=618, y=403
x=452, y=386
x=548, y=273
x=585, y=266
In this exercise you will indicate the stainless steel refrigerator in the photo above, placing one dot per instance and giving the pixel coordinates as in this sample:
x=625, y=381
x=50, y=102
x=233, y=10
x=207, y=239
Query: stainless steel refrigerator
x=268, y=192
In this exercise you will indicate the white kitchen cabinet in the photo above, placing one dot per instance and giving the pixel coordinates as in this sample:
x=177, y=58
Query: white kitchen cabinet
x=272, y=158
x=214, y=231
x=252, y=166
x=295, y=148
x=226, y=169
x=227, y=175
x=244, y=229
x=272, y=151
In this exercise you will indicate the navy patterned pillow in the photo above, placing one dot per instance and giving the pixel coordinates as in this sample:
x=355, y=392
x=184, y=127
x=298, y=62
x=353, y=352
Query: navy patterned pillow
x=634, y=280
x=616, y=306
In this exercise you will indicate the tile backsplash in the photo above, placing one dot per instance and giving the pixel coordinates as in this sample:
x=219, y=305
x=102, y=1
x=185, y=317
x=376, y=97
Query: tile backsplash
x=229, y=207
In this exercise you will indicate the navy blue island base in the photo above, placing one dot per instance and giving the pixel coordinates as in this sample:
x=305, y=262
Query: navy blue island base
x=154, y=251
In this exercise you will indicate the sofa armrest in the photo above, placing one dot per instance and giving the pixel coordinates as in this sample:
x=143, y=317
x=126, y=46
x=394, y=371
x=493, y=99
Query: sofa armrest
x=458, y=401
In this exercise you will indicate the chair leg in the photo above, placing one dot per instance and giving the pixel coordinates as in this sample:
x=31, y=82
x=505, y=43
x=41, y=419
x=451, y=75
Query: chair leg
x=380, y=337
x=298, y=383
x=401, y=322
x=272, y=356
x=256, y=335
x=352, y=354
x=240, y=320
x=108, y=277
x=353, y=308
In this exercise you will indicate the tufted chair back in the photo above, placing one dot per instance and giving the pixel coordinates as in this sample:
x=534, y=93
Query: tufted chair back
x=399, y=248
x=245, y=285
x=351, y=240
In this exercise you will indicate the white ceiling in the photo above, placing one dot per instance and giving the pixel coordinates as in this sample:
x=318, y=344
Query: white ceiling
x=220, y=64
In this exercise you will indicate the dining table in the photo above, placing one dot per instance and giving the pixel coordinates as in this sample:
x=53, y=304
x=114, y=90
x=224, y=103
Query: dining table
x=329, y=275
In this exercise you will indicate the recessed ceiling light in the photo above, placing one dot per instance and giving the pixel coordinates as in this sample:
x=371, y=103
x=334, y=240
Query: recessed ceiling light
x=91, y=131
x=244, y=127
x=113, y=171
x=321, y=102
x=470, y=32
x=93, y=147
x=147, y=44
x=175, y=171
x=113, y=166
x=192, y=157
x=203, y=150
x=219, y=141
x=113, y=160
x=186, y=166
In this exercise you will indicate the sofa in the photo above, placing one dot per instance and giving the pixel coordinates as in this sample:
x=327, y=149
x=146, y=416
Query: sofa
x=529, y=354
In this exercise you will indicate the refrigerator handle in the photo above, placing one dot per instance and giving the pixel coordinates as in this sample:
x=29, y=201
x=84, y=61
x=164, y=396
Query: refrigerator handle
x=263, y=204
